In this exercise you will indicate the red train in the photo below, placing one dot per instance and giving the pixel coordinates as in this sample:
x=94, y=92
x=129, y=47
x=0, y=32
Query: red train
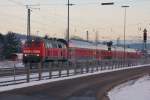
x=56, y=50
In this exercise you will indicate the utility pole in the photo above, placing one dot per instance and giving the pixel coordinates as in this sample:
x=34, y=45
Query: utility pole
x=68, y=25
x=28, y=23
x=29, y=7
x=125, y=7
x=68, y=29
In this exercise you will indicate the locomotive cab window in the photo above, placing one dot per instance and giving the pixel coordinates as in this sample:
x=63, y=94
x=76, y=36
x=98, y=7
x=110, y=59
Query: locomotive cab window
x=64, y=45
x=46, y=44
x=60, y=45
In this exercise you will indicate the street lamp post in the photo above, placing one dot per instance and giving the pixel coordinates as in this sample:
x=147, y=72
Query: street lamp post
x=68, y=26
x=28, y=23
x=125, y=7
x=107, y=3
x=29, y=9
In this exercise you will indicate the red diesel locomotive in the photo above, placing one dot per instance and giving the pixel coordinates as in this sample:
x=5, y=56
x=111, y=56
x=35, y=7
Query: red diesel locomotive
x=42, y=50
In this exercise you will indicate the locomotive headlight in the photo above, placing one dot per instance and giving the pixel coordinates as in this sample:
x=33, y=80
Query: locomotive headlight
x=25, y=54
x=38, y=55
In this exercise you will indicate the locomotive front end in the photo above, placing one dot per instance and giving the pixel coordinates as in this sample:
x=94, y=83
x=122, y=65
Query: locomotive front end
x=32, y=51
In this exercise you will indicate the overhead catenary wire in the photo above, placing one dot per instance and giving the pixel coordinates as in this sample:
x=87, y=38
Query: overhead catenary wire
x=57, y=15
x=16, y=2
x=117, y=2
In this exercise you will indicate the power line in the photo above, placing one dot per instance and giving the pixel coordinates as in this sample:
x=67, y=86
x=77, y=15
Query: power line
x=16, y=2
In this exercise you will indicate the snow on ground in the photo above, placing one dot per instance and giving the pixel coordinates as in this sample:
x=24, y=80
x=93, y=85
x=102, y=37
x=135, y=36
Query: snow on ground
x=22, y=78
x=11, y=64
x=132, y=90
x=11, y=87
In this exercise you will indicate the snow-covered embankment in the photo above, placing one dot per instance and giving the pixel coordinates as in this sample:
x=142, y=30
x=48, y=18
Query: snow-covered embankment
x=133, y=90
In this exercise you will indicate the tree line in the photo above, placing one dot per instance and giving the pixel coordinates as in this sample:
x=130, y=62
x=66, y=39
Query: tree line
x=9, y=44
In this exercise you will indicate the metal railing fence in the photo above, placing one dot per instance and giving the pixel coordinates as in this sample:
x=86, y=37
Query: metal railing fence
x=50, y=70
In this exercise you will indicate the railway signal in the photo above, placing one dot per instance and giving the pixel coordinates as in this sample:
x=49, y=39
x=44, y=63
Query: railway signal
x=145, y=35
x=144, y=39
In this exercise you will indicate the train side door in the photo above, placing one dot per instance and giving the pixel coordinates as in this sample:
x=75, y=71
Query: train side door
x=46, y=49
x=63, y=51
x=54, y=50
x=60, y=52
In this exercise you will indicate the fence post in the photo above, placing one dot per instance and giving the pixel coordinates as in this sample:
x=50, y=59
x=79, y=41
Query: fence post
x=112, y=64
x=117, y=64
x=81, y=66
x=40, y=70
x=120, y=64
x=14, y=72
x=108, y=64
x=27, y=67
x=57, y=64
x=68, y=66
x=92, y=68
x=101, y=65
x=74, y=66
x=50, y=70
x=105, y=65
x=97, y=65
x=86, y=67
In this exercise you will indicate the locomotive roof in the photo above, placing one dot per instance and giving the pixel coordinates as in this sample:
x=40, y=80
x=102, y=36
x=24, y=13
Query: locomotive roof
x=63, y=41
x=91, y=45
x=81, y=44
x=88, y=44
x=45, y=39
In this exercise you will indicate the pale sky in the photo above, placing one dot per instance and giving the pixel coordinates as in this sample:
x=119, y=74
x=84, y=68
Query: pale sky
x=85, y=15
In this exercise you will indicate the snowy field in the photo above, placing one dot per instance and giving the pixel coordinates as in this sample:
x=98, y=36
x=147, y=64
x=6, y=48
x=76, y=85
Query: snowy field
x=133, y=90
x=11, y=64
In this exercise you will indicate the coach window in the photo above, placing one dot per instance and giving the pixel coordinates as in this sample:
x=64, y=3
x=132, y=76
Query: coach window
x=47, y=44
x=57, y=44
x=54, y=44
x=62, y=45
x=50, y=45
